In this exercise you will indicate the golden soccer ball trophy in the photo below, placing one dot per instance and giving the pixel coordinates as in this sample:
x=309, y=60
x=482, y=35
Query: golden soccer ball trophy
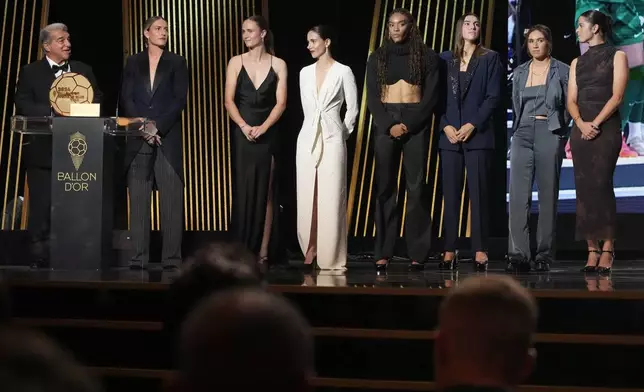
x=69, y=88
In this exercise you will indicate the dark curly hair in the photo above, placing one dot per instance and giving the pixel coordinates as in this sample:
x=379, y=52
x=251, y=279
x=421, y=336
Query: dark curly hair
x=417, y=53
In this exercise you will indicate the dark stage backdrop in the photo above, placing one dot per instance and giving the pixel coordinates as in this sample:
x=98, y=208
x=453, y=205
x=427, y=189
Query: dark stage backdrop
x=20, y=21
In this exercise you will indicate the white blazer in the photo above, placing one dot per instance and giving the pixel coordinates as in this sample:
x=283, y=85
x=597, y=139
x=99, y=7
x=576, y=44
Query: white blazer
x=322, y=110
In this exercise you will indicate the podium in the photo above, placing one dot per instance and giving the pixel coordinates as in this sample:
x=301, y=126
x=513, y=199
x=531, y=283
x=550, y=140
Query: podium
x=82, y=167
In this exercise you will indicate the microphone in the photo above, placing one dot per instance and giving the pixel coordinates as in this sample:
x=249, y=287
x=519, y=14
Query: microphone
x=118, y=95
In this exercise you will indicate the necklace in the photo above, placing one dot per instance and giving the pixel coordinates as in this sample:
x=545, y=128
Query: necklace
x=538, y=74
x=534, y=102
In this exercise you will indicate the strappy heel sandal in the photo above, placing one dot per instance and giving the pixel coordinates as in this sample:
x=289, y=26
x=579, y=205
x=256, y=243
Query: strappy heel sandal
x=592, y=268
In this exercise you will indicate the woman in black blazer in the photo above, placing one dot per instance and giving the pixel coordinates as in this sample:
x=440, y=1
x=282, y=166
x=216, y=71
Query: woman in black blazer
x=155, y=86
x=473, y=90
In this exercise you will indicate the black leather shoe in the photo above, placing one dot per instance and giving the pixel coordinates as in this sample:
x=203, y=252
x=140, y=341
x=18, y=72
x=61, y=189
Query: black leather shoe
x=39, y=254
x=517, y=264
x=541, y=265
x=416, y=266
x=136, y=265
x=39, y=263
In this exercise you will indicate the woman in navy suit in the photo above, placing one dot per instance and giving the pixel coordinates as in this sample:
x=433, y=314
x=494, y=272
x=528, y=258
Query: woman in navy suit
x=473, y=92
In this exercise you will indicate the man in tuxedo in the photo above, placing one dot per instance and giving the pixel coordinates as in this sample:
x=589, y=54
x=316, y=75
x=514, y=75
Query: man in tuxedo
x=32, y=99
x=155, y=86
x=485, y=336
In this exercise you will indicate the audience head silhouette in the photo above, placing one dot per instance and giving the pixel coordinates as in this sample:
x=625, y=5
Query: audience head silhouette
x=213, y=268
x=486, y=326
x=30, y=362
x=245, y=340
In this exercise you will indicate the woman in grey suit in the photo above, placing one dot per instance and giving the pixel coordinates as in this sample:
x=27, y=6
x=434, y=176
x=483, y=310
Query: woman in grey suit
x=540, y=131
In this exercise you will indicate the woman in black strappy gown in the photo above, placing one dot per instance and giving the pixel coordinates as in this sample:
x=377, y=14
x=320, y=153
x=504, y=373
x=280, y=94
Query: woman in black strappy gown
x=597, y=82
x=255, y=100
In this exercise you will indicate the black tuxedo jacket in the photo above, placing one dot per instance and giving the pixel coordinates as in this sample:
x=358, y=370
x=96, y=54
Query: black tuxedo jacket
x=32, y=99
x=163, y=102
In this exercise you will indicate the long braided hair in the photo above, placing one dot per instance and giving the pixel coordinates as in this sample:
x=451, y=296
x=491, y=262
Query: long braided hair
x=417, y=53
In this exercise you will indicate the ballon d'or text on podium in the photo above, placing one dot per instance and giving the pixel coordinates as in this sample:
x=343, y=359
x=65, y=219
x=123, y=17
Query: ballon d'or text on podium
x=77, y=181
x=82, y=175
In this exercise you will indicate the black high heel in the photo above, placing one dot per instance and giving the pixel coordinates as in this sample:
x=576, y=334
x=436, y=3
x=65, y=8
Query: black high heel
x=606, y=270
x=592, y=268
x=380, y=268
x=449, y=265
x=312, y=265
x=480, y=266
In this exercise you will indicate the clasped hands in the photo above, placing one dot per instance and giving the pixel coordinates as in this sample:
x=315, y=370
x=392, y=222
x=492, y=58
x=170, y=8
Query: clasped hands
x=459, y=135
x=150, y=133
x=252, y=133
x=398, y=130
x=589, y=130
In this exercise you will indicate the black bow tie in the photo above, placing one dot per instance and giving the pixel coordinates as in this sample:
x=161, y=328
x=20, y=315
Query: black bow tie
x=57, y=68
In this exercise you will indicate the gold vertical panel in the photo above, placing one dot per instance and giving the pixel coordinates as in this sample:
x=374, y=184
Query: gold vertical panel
x=20, y=22
x=4, y=112
x=29, y=42
x=207, y=34
x=436, y=21
x=361, y=143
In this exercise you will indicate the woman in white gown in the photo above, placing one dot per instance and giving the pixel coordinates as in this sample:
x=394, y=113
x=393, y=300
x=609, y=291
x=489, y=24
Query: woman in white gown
x=321, y=155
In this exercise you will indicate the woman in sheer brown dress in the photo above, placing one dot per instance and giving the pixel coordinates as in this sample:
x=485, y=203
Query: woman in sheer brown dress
x=596, y=88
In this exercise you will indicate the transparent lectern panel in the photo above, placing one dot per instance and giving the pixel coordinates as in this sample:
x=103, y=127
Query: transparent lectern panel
x=125, y=126
x=31, y=125
x=115, y=126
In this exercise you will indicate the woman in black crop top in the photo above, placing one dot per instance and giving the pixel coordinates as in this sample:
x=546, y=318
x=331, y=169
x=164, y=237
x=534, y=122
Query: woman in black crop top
x=402, y=82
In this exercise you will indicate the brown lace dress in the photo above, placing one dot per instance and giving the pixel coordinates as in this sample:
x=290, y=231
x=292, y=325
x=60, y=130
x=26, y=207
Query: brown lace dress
x=594, y=160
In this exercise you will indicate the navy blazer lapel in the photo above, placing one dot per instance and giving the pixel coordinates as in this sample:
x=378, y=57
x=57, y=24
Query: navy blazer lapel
x=144, y=68
x=162, y=70
x=469, y=73
x=452, y=72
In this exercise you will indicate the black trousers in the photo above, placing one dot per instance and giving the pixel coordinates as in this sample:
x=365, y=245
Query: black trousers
x=478, y=164
x=147, y=167
x=414, y=148
x=39, y=220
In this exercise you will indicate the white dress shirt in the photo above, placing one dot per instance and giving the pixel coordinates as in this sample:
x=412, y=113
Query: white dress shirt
x=52, y=63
